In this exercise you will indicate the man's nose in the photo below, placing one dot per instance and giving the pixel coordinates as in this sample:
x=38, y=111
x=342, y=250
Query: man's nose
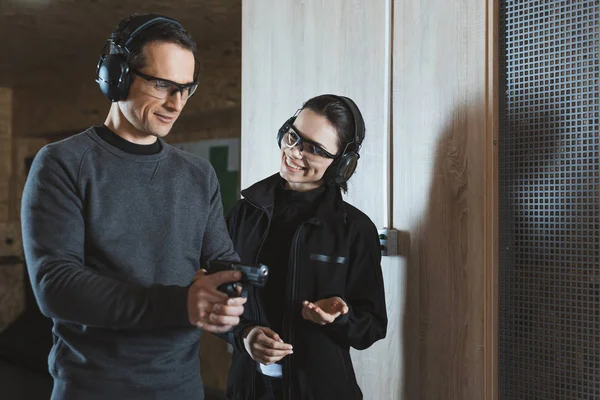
x=175, y=102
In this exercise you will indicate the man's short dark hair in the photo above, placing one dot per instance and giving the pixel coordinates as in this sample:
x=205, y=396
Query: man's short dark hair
x=166, y=32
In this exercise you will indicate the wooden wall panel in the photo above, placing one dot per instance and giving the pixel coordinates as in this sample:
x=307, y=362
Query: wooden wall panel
x=6, y=116
x=24, y=149
x=293, y=50
x=12, y=294
x=439, y=144
x=492, y=204
x=12, y=289
x=215, y=360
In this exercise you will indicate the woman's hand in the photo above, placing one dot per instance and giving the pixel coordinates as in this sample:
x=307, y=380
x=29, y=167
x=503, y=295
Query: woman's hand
x=324, y=311
x=264, y=345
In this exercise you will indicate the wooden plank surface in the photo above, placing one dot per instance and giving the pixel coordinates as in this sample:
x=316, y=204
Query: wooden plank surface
x=23, y=151
x=12, y=293
x=6, y=140
x=492, y=198
x=439, y=153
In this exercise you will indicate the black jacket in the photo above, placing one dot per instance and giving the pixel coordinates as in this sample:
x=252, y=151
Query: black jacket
x=335, y=253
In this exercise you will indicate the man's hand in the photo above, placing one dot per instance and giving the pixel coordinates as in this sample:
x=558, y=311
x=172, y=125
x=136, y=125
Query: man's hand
x=264, y=345
x=324, y=311
x=210, y=309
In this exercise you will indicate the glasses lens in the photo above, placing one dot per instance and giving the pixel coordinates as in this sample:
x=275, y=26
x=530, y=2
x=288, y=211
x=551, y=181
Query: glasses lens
x=312, y=149
x=192, y=89
x=163, y=87
x=291, y=138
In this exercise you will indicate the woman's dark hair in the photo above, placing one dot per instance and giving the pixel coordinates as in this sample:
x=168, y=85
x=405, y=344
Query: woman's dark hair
x=340, y=117
x=160, y=32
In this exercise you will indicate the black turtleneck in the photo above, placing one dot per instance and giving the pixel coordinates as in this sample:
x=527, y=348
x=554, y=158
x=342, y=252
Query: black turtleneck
x=292, y=208
x=132, y=148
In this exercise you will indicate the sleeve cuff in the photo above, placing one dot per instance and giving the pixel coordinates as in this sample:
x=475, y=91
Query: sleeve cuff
x=342, y=319
x=173, y=306
x=236, y=334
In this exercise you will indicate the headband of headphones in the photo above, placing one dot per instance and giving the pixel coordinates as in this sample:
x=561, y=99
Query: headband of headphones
x=359, y=123
x=125, y=34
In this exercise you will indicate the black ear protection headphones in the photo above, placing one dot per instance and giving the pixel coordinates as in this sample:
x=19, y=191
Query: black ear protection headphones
x=344, y=164
x=113, y=74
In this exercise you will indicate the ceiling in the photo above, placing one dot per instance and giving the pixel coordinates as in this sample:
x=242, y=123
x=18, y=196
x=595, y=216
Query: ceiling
x=60, y=39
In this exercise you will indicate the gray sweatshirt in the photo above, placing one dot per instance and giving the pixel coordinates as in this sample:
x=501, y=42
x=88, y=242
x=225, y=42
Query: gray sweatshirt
x=112, y=241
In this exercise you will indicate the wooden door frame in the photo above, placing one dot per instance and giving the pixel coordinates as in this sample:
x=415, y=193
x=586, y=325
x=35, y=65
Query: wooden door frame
x=491, y=326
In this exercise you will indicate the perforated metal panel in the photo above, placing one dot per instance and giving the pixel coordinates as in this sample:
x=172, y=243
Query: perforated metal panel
x=549, y=337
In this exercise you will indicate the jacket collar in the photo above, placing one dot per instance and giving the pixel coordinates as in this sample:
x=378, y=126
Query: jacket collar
x=262, y=195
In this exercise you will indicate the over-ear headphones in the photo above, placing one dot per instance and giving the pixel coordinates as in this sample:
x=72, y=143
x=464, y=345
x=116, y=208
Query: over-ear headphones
x=113, y=74
x=345, y=164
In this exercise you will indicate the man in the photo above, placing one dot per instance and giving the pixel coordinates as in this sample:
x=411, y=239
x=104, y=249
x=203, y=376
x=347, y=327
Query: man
x=117, y=225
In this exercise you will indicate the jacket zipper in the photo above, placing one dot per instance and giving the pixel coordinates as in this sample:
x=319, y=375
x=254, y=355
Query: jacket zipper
x=264, y=239
x=254, y=298
x=290, y=318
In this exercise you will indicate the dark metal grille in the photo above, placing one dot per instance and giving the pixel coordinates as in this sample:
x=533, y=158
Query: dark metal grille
x=549, y=333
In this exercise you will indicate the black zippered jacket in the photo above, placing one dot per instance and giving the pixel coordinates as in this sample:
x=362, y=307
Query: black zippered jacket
x=334, y=253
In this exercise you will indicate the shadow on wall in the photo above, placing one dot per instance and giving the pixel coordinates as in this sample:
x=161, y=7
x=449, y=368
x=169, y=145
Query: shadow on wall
x=443, y=329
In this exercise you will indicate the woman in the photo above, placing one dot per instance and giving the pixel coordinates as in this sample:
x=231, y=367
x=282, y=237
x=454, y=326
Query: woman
x=325, y=290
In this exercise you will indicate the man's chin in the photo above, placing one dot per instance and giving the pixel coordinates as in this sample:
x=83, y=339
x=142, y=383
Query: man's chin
x=160, y=132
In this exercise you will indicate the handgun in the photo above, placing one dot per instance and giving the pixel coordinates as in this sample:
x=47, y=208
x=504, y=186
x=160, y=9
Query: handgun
x=255, y=275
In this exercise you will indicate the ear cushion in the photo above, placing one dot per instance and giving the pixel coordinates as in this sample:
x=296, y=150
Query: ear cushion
x=114, y=77
x=283, y=130
x=347, y=166
x=341, y=169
